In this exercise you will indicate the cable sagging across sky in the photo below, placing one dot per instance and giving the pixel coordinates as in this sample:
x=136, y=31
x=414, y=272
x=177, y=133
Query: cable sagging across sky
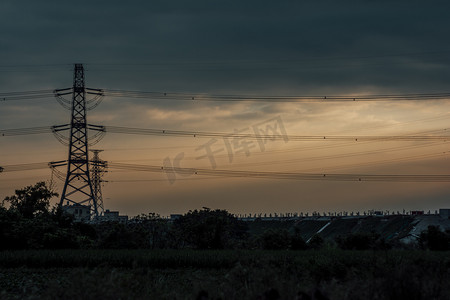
x=204, y=134
x=252, y=174
x=185, y=96
x=284, y=175
x=272, y=98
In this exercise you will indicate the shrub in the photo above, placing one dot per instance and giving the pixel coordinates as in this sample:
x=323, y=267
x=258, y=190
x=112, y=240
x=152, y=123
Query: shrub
x=316, y=242
x=358, y=241
x=434, y=239
x=210, y=229
x=275, y=239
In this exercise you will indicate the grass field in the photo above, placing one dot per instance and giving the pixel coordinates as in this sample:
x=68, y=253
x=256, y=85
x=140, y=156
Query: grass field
x=230, y=274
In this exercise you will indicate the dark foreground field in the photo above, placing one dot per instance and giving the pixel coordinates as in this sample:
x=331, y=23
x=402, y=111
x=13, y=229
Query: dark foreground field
x=183, y=274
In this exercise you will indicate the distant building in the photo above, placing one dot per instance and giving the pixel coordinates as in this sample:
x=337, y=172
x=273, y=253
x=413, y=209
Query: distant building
x=175, y=216
x=112, y=216
x=444, y=213
x=417, y=212
x=81, y=213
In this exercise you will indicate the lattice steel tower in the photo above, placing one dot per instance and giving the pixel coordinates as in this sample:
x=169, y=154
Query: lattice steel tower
x=98, y=168
x=78, y=188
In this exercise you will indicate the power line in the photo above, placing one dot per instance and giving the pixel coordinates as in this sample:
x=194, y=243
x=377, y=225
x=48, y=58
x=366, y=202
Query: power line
x=284, y=175
x=385, y=161
x=255, y=174
x=184, y=96
x=273, y=98
x=204, y=134
x=25, y=167
x=26, y=131
x=35, y=68
x=26, y=95
x=322, y=158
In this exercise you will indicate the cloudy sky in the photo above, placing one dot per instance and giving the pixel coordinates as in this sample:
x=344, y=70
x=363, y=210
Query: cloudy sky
x=263, y=48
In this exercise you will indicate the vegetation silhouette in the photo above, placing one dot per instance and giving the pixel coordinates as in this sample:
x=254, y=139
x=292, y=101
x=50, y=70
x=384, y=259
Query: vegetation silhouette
x=205, y=250
x=28, y=222
x=210, y=229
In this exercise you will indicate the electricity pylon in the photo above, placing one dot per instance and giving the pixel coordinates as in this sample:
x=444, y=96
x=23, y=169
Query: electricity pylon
x=98, y=168
x=78, y=185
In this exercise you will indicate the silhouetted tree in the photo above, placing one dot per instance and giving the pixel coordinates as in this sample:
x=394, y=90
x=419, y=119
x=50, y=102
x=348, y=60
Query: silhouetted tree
x=316, y=242
x=114, y=235
x=434, y=239
x=152, y=229
x=8, y=222
x=28, y=223
x=275, y=239
x=209, y=229
x=31, y=200
x=358, y=241
x=297, y=242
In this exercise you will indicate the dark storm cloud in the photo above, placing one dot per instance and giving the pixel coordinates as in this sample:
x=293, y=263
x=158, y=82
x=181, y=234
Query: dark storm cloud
x=291, y=46
x=258, y=47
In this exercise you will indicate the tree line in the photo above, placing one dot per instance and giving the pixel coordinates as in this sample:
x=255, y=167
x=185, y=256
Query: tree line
x=28, y=222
